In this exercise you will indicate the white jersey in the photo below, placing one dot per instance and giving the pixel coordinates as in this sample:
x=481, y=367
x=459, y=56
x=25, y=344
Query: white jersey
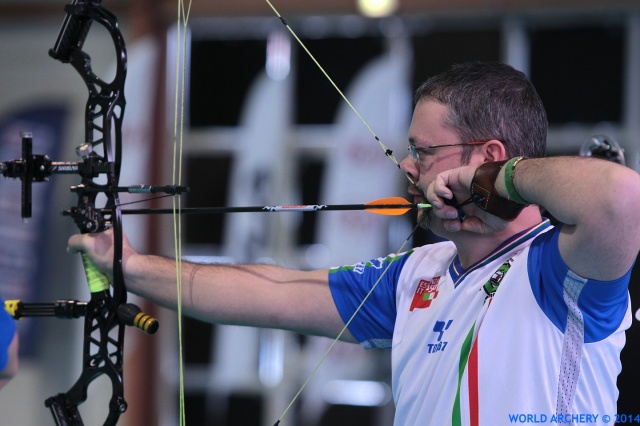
x=543, y=349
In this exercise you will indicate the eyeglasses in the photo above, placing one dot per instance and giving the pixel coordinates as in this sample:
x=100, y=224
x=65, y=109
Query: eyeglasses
x=416, y=151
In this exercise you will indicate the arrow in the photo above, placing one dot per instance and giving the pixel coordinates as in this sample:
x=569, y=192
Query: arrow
x=390, y=206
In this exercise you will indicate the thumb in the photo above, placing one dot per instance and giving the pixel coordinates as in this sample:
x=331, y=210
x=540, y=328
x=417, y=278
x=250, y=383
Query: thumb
x=74, y=244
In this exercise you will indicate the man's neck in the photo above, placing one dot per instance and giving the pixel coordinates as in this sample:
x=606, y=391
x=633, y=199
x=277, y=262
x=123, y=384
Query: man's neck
x=473, y=247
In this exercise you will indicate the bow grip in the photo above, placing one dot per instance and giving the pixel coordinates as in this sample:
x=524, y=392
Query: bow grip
x=96, y=280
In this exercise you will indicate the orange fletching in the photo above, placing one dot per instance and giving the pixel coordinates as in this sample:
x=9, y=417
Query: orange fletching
x=389, y=201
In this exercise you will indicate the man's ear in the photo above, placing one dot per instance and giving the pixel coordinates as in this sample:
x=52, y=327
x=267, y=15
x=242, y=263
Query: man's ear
x=494, y=150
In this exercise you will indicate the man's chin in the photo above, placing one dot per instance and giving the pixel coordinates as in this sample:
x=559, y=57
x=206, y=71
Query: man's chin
x=425, y=219
x=433, y=224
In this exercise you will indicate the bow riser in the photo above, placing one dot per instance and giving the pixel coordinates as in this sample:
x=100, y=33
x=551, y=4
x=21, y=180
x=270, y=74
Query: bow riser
x=102, y=353
x=106, y=314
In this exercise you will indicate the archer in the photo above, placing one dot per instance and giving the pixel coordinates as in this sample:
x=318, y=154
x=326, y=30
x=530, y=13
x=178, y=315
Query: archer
x=553, y=323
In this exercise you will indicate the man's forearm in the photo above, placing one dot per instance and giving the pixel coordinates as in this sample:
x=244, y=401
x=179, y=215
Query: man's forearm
x=576, y=189
x=597, y=199
x=253, y=295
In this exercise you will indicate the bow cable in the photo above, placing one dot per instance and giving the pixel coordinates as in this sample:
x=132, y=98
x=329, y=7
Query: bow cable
x=178, y=139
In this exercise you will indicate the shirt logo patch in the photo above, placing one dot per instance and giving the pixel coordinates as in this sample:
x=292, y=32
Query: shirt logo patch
x=425, y=293
x=440, y=327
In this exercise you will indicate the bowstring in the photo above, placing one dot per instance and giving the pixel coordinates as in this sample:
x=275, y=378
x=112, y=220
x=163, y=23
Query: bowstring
x=346, y=326
x=389, y=155
x=178, y=138
x=388, y=152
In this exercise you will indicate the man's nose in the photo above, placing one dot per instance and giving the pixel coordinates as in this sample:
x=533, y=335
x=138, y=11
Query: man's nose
x=409, y=167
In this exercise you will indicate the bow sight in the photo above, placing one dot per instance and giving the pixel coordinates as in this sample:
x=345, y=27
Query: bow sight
x=107, y=312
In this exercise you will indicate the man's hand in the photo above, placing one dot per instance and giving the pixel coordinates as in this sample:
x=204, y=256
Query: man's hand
x=457, y=183
x=99, y=248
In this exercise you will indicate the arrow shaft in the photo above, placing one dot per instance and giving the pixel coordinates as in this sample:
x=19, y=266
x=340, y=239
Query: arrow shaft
x=270, y=209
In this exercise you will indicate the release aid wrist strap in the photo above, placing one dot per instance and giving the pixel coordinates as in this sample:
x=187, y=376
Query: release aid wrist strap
x=485, y=196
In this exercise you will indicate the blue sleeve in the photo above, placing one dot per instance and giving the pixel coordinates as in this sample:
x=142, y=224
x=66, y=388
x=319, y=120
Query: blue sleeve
x=7, y=331
x=374, y=322
x=602, y=304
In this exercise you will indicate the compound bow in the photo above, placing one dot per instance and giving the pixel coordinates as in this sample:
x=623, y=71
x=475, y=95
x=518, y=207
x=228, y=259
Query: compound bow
x=107, y=312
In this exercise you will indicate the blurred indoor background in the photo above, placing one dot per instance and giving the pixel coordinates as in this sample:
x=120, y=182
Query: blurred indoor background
x=263, y=126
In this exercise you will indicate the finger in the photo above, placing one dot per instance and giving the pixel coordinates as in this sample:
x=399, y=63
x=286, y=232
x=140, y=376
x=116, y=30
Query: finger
x=74, y=244
x=441, y=187
x=453, y=225
x=435, y=191
x=443, y=207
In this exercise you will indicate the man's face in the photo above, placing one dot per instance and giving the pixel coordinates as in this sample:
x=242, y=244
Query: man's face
x=427, y=130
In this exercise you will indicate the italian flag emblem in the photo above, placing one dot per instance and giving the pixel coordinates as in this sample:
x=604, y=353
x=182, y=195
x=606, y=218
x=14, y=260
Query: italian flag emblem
x=425, y=293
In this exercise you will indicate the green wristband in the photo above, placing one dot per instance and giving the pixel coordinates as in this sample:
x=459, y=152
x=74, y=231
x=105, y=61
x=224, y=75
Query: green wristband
x=509, y=173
